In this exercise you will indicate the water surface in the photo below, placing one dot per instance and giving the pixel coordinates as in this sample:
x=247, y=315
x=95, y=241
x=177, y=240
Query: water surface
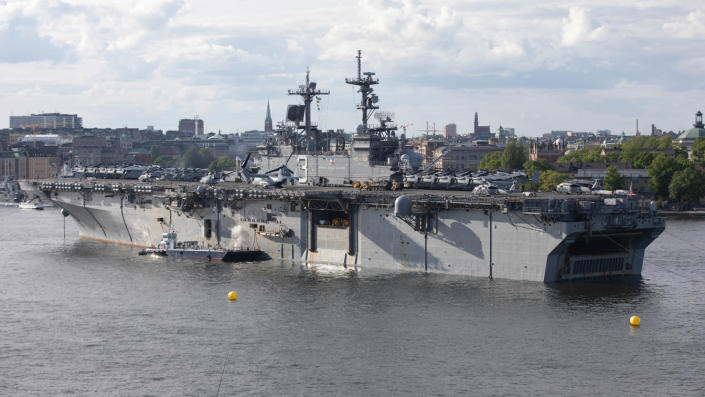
x=87, y=318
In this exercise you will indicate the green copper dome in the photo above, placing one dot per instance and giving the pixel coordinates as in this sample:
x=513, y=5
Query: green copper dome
x=697, y=131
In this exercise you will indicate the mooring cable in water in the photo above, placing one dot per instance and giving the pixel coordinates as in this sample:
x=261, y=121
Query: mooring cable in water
x=684, y=240
x=222, y=371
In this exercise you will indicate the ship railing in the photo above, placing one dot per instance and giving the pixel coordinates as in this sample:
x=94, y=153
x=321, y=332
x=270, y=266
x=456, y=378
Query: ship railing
x=622, y=221
x=582, y=206
x=372, y=162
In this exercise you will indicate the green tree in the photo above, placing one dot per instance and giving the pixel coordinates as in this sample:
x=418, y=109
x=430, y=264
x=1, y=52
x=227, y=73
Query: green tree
x=661, y=171
x=196, y=158
x=222, y=163
x=513, y=155
x=154, y=152
x=164, y=161
x=635, y=149
x=628, y=154
x=574, y=156
x=699, y=148
x=492, y=161
x=529, y=186
x=584, y=155
x=531, y=166
x=548, y=180
x=642, y=159
x=684, y=162
x=647, y=142
x=687, y=185
x=613, y=180
x=680, y=151
x=665, y=142
x=611, y=157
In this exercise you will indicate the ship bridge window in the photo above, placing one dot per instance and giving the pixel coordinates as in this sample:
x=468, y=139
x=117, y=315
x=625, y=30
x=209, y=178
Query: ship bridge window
x=207, y=228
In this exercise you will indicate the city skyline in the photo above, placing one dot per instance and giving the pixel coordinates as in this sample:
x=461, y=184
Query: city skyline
x=536, y=67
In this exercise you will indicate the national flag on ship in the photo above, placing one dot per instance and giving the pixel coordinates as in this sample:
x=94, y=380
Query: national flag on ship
x=631, y=191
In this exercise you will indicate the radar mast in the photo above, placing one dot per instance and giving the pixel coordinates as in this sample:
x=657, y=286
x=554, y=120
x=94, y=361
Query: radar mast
x=368, y=99
x=368, y=103
x=308, y=91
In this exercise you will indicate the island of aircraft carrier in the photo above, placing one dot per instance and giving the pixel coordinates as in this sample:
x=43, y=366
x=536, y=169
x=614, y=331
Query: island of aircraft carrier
x=361, y=206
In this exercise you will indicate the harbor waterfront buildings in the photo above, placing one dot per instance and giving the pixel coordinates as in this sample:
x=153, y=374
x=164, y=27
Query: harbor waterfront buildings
x=463, y=157
x=192, y=126
x=55, y=140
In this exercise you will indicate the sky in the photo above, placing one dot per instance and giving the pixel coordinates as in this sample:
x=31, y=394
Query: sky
x=535, y=65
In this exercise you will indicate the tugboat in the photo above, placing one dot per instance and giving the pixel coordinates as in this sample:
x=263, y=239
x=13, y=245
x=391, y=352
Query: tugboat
x=190, y=250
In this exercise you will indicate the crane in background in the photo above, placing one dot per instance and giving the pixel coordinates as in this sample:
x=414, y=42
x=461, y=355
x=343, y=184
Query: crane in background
x=403, y=127
x=42, y=125
x=428, y=157
x=34, y=131
x=428, y=129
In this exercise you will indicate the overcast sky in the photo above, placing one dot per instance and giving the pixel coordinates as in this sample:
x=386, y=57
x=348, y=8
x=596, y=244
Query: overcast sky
x=535, y=65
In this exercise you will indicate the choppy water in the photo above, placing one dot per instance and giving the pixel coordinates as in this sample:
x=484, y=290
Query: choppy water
x=85, y=318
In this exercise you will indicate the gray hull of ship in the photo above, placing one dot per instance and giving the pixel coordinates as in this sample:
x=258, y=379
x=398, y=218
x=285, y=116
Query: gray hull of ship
x=505, y=243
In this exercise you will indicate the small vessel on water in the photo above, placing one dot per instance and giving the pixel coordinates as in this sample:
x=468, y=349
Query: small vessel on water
x=10, y=193
x=191, y=250
x=31, y=205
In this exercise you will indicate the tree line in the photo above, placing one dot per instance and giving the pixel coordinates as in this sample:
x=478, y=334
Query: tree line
x=672, y=175
x=193, y=157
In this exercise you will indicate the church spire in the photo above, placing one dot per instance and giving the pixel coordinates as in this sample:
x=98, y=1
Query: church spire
x=268, y=120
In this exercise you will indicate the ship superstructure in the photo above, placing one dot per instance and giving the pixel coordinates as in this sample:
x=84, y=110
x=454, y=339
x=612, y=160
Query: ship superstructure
x=316, y=157
x=545, y=238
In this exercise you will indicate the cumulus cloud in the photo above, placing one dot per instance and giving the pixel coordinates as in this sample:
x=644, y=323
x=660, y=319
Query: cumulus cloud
x=394, y=30
x=578, y=28
x=505, y=49
x=293, y=45
x=692, y=26
x=141, y=62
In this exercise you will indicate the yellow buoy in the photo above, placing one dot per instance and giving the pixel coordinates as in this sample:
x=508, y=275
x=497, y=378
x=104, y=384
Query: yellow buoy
x=634, y=320
x=232, y=295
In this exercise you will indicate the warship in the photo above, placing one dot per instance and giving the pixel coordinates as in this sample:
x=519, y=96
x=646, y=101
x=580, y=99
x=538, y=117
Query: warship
x=329, y=216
